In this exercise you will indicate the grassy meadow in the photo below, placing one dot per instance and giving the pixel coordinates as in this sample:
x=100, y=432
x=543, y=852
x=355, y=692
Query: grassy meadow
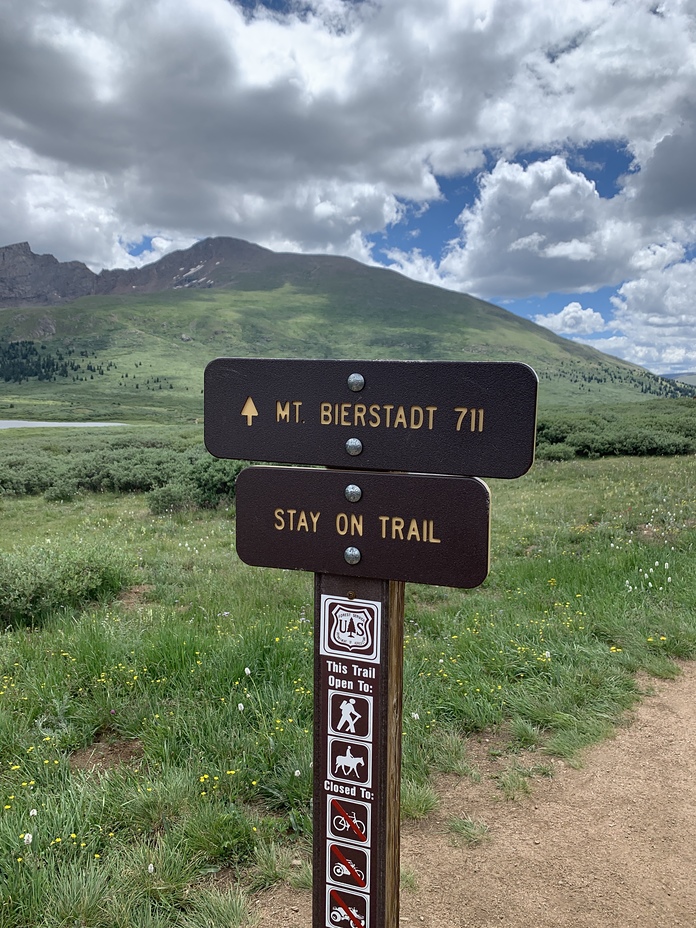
x=156, y=693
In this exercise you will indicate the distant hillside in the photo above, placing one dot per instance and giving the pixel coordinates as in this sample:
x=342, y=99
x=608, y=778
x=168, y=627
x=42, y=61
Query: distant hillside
x=135, y=343
x=684, y=377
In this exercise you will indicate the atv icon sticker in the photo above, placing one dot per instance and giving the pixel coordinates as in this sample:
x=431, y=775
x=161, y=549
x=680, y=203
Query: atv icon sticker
x=350, y=627
x=348, y=910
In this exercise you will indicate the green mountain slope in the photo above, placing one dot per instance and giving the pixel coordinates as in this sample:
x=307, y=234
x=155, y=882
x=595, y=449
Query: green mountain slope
x=141, y=357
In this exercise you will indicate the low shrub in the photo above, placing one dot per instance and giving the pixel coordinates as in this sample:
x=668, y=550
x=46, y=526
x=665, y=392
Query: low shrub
x=63, y=490
x=659, y=427
x=42, y=579
x=177, y=477
x=214, y=480
x=173, y=497
x=559, y=452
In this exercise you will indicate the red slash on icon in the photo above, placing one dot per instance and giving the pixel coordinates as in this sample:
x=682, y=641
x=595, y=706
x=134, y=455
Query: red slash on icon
x=347, y=908
x=348, y=821
x=348, y=866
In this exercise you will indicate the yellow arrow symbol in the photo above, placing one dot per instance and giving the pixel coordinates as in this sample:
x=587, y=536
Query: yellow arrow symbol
x=249, y=410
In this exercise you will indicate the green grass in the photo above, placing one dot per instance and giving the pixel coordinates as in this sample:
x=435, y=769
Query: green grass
x=417, y=799
x=578, y=600
x=469, y=830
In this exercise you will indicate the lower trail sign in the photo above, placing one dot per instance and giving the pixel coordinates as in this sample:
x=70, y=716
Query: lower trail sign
x=417, y=527
x=364, y=532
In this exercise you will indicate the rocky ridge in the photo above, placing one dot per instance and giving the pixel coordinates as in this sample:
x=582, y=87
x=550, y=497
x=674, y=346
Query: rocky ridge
x=28, y=279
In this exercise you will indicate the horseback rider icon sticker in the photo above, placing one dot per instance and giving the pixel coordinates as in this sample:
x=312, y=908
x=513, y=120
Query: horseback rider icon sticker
x=349, y=762
x=350, y=628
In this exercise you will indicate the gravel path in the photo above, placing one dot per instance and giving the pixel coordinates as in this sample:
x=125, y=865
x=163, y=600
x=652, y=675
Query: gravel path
x=611, y=844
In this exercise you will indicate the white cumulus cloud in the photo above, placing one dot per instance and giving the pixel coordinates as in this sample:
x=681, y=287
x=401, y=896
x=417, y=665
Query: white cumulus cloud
x=537, y=229
x=573, y=320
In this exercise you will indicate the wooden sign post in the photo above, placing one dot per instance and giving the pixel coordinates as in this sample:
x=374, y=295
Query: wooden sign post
x=364, y=533
x=357, y=751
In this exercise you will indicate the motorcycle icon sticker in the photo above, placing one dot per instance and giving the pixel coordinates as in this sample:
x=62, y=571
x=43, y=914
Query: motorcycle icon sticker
x=346, y=909
x=350, y=715
x=348, y=866
x=348, y=820
x=350, y=628
x=349, y=762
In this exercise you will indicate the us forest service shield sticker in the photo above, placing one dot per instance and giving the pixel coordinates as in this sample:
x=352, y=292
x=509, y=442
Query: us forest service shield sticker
x=350, y=628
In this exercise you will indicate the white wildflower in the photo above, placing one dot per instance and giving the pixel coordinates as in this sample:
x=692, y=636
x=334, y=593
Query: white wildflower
x=150, y=868
x=240, y=706
x=28, y=838
x=414, y=715
x=247, y=671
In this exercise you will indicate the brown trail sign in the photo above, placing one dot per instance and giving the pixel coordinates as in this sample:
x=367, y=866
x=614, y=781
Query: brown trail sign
x=426, y=529
x=364, y=534
x=429, y=417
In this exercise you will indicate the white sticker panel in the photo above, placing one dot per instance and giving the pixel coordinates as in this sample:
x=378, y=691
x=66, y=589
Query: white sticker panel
x=350, y=628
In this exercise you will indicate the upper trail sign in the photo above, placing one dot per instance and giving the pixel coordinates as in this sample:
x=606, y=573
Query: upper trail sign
x=428, y=417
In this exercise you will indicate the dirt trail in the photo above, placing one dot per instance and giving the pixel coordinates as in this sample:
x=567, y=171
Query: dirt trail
x=610, y=845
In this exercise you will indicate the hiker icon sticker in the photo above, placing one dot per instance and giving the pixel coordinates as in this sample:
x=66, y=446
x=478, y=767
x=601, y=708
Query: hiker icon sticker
x=350, y=714
x=350, y=628
x=349, y=762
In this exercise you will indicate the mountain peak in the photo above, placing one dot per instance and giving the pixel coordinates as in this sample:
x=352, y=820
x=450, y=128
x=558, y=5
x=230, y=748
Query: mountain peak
x=19, y=248
x=28, y=279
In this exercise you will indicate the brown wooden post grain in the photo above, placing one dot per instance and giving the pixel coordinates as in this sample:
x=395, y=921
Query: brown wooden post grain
x=394, y=701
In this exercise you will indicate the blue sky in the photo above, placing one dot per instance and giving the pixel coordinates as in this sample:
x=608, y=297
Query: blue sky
x=536, y=155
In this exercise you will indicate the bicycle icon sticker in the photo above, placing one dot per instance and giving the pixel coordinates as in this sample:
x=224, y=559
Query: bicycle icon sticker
x=348, y=820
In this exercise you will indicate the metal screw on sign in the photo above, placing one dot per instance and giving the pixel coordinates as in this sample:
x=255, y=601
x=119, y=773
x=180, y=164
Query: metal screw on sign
x=352, y=555
x=356, y=382
x=354, y=446
x=353, y=493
